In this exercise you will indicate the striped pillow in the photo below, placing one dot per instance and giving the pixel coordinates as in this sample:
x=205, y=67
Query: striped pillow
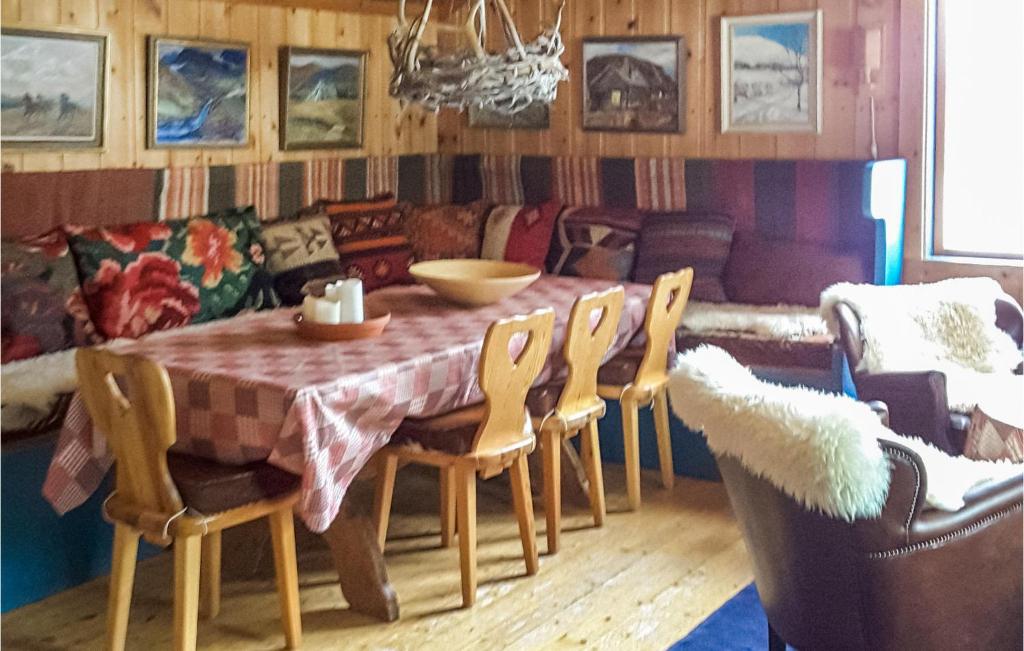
x=671, y=241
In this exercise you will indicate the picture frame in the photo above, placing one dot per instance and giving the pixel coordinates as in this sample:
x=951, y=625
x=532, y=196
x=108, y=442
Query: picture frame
x=771, y=73
x=611, y=103
x=54, y=87
x=322, y=98
x=198, y=93
x=534, y=118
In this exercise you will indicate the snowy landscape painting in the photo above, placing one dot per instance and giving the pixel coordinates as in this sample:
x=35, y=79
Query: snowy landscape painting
x=321, y=98
x=198, y=93
x=771, y=72
x=52, y=87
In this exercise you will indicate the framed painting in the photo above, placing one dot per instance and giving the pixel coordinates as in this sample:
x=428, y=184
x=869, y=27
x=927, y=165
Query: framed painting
x=771, y=73
x=634, y=84
x=198, y=93
x=53, y=86
x=536, y=116
x=322, y=98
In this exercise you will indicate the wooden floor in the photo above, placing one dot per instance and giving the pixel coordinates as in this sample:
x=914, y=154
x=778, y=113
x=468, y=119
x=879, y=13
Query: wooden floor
x=640, y=582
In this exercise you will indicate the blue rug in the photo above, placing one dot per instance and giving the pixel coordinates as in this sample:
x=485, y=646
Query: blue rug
x=739, y=625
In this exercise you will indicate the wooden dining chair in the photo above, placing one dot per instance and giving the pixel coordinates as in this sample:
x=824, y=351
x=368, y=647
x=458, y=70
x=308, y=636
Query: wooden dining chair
x=170, y=498
x=579, y=407
x=637, y=380
x=483, y=439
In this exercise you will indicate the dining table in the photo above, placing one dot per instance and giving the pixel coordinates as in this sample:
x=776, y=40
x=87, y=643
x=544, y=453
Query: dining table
x=250, y=388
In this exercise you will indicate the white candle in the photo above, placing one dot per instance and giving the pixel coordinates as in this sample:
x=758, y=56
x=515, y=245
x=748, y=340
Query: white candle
x=352, y=301
x=327, y=311
x=309, y=309
x=332, y=291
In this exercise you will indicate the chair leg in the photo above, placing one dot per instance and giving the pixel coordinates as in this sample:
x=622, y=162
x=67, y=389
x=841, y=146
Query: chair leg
x=631, y=439
x=661, y=427
x=209, y=593
x=465, y=498
x=591, y=447
x=282, y=534
x=122, y=578
x=522, y=499
x=385, y=489
x=447, y=506
x=552, y=456
x=187, y=555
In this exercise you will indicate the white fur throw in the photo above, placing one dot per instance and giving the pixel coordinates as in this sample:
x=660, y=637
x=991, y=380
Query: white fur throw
x=948, y=326
x=31, y=387
x=818, y=448
x=775, y=321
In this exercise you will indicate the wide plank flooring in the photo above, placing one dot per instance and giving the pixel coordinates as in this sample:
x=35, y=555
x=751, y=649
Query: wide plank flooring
x=640, y=582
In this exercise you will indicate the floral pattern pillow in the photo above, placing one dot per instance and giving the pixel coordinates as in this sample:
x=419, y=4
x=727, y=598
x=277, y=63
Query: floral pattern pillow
x=150, y=276
x=42, y=308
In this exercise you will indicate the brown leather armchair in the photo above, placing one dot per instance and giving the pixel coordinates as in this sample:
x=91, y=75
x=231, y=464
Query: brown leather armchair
x=917, y=400
x=909, y=579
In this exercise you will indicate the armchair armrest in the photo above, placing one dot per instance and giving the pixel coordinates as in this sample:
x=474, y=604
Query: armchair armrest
x=917, y=403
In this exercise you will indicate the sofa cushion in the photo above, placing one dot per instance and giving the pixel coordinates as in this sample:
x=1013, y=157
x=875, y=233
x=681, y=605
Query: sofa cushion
x=595, y=243
x=520, y=233
x=42, y=309
x=767, y=272
x=150, y=276
x=370, y=239
x=449, y=231
x=298, y=251
x=672, y=241
x=210, y=487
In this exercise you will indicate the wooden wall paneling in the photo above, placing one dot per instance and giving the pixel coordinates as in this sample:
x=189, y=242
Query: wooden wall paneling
x=299, y=33
x=715, y=144
x=119, y=136
x=150, y=17
x=912, y=59
x=423, y=122
x=529, y=19
x=10, y=10
x=184, y=20
x=653, y=17
x=273, y=26
x=756, y=145
x=498, y=141
x=587, y=19
x=558, y=138
x=244, y=25
x=885, y=16
x=838, y=135
x=687, y=19
x=40, y=12
x=620, y=19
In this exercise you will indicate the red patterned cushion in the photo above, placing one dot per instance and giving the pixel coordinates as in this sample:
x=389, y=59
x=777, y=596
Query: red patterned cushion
x=595, y=243
x=370, y=240
x=671, y=241
x=446, y=231
x=42, y=309
x=520, y=233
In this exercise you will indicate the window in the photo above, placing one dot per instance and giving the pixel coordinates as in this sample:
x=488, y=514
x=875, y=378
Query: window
x=979, y=129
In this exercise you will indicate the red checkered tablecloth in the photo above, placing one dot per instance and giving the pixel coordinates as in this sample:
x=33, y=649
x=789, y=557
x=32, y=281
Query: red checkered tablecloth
x=250, y=389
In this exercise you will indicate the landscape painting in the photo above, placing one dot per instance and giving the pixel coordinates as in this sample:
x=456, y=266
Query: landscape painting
x=322, y=94
x=534, y=116
x=51, y=89
x=771, y=72
x=198, y=93
x=634, y=84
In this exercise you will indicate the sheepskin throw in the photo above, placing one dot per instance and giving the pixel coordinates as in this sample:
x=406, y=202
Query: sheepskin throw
x=31, y=387
x=775, y=321
x=948, y=326
x=821, y=449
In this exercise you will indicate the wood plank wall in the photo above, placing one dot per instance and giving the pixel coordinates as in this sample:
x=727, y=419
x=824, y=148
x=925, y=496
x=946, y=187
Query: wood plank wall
x=846, y=132
x=388, y=130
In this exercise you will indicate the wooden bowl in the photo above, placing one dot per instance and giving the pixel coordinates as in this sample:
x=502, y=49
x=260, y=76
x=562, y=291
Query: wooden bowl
x=474, y=282
x=370, y=327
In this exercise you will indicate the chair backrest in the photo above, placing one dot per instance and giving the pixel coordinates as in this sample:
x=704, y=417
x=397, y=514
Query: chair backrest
x=513, y=355
x=586, y=344
x=130, y=401
x=664, y=312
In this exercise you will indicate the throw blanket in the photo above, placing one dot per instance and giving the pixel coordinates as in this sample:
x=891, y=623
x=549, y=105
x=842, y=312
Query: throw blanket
x=775, y=321
x=820, y=449
x=948, y=326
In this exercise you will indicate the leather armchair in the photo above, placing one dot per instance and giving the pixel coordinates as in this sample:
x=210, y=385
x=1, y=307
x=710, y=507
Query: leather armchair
x=909, y=579
x=917, y=400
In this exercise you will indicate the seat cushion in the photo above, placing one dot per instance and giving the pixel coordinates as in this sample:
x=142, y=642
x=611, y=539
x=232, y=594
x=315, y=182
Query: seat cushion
x=542, y=400
x=672, y=241
x=621, y=369
x=210, y=487
x=451, y=433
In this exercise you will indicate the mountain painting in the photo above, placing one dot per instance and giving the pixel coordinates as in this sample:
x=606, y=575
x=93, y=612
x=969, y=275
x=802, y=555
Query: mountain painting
x=321, y=98
x=634, y=84
x=52, y=89
x=770, y=72
x=198, y=94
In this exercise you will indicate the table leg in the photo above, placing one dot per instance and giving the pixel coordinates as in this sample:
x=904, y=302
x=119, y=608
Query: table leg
x=359, y=561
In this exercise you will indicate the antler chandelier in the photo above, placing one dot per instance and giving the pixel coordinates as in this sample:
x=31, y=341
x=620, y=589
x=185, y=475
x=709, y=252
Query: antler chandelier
x=507, y=81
